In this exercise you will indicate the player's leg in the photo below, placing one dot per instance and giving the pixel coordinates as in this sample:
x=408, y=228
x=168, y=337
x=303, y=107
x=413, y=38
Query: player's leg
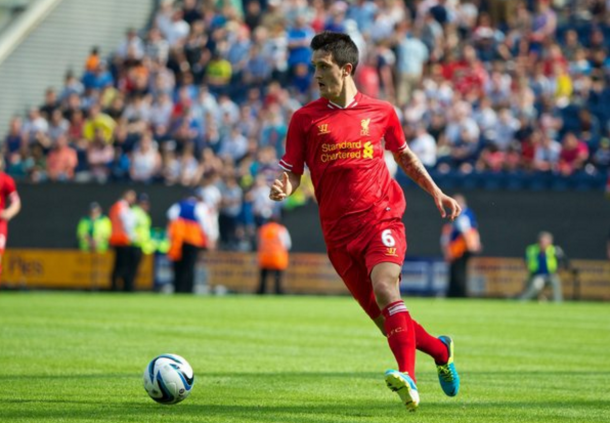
x=384, y=254
x=355, y=275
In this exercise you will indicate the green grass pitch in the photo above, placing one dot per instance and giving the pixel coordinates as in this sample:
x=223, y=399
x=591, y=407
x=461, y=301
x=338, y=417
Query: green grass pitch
x=79, y=357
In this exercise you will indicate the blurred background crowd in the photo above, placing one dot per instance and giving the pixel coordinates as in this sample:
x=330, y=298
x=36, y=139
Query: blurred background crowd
x=202, y=98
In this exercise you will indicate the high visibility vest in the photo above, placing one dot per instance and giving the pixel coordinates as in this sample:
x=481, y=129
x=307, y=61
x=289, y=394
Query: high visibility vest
x=142, y=230
x=118, y=237
x=531, y=255
x=98, y=229
x=186, y=229
x=272, y=253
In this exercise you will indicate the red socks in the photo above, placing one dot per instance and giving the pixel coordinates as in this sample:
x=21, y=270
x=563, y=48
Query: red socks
x=401, y=336
x=432, y=346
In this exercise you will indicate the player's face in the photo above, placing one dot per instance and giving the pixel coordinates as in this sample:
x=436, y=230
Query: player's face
x=328, y=75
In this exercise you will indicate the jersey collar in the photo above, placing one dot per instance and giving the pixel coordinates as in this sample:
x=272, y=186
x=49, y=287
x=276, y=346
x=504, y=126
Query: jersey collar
x=350, y=104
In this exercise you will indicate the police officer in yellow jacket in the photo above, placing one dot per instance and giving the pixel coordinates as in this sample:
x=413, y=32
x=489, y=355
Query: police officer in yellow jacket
x=542, y=260
x=93, y=231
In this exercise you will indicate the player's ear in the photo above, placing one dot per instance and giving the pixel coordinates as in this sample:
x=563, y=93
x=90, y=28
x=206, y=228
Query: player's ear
x=347, y=69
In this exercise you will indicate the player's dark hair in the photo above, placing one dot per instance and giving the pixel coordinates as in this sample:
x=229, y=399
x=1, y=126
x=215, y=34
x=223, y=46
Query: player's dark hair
x=340, y=46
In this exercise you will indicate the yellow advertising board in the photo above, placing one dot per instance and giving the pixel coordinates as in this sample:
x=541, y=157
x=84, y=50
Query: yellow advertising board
x=306, y=274
x=65, y=269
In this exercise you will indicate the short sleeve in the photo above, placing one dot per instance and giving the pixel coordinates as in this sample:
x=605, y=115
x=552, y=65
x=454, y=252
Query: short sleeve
x=294, y=159
x=9, y=188
x=394, y=135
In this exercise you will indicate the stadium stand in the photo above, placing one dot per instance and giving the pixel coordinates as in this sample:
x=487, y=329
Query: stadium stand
x=495, y=94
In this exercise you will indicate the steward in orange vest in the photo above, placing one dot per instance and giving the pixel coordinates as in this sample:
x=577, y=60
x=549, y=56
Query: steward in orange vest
x=273, y=245
x=126, y=254
x=189, y=231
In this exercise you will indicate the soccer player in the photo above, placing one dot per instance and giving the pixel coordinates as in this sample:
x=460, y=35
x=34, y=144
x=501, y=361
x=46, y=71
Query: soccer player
x=10, y=205
x=341, y=138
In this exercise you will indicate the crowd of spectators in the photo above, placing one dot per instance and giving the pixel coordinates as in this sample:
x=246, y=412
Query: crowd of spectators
x=206, y=93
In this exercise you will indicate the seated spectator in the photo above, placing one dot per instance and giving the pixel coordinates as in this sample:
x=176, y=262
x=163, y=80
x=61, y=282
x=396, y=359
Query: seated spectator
x=58, y=125
x=218, y=74
x=601, y=157
x=146, y=160
x=14, y=140
x=98, y=78
x=424, y=146
x=573, y=156
x=100, y=124
x=51, y=103
x=546, y=157
x=61, y=161
x=99, y=156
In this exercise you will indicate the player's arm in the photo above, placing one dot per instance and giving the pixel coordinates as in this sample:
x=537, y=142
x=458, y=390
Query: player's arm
x=284, y=186
x=13, y=209
x=415, y=170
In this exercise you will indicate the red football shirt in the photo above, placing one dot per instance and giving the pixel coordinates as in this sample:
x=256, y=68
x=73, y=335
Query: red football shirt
x=343, y=149
x=7, y=189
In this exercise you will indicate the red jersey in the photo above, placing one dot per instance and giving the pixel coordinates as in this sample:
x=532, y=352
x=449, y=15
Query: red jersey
x=7, y=189
x=343, y=149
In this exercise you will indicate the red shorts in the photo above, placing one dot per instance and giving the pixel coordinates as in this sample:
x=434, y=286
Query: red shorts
x=3, y=235
x=384, y=242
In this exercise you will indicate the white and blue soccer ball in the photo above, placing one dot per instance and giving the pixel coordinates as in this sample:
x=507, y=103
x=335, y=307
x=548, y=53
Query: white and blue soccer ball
x=168, y=379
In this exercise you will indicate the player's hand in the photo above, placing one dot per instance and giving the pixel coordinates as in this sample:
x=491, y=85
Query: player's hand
x=447, y=206
x=281, y=188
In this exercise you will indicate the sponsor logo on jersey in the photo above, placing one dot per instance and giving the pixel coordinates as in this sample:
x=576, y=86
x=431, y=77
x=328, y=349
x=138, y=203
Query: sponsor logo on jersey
x=323, y=129
x=391, y=251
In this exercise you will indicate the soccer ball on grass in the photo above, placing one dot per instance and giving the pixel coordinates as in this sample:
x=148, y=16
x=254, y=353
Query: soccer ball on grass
x=168, y=379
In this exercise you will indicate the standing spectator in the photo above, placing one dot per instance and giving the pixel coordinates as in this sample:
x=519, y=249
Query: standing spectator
x=93, y=231
x=230, y=210
x=299, y=37
x=10, y=206
x=122, y=241
x=460, y=240
x=273, y=245
x=542, y=260
x=412, y=54
x=61, y=161
x=189, y=232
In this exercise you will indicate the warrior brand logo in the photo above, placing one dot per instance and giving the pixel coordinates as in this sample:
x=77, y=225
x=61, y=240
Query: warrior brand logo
x=391, y=251
x=364, y=124
x=323, y=129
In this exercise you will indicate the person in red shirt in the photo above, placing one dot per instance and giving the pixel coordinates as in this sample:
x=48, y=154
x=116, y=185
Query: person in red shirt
x=341, y=138
x=10, y=205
